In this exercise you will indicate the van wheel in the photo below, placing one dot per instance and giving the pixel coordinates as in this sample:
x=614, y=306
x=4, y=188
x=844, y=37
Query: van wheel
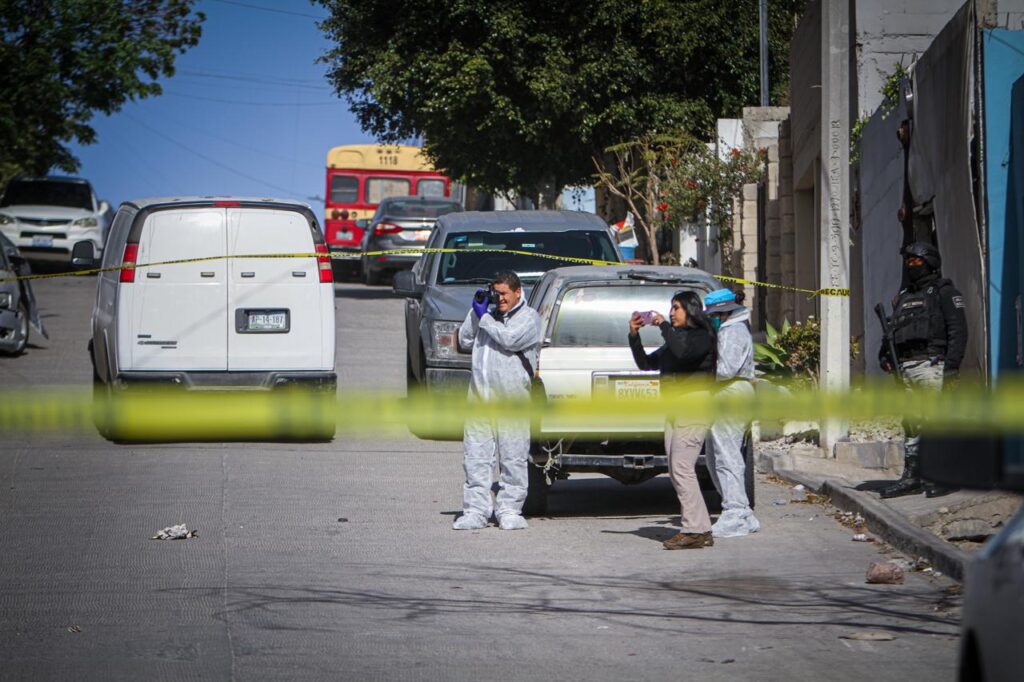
x=371, y=278
x=21, y=332
x=101, y=408
x=537, y=493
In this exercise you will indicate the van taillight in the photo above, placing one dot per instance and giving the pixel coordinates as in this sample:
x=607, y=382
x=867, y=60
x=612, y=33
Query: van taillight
x=131, y=252
x=387, y=228
x=323, y=262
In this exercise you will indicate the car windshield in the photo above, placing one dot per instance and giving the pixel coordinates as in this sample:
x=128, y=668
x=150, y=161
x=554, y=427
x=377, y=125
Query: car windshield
x=597, y=316
x=47, y=193
x=484, y=254
x=418, y=208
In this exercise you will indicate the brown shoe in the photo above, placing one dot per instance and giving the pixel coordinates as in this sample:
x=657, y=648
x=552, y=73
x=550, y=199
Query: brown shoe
x=689, y=541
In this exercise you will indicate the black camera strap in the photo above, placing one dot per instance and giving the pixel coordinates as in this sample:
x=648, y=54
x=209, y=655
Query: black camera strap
x=526, y=363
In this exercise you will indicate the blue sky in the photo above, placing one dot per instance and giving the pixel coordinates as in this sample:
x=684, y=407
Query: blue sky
x=247, y=113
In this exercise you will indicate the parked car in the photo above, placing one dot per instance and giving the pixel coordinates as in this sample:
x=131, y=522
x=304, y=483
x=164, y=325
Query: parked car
x=993, y=608
x=400, y=223
x=18, y=310
x=585, y=352
x=46, y=216
x=440, y=287
x=236, y=323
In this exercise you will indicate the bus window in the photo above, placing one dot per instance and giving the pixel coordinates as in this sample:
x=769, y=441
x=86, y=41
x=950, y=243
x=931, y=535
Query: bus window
x=430, y=188
x=381, y=188
x=344, y=189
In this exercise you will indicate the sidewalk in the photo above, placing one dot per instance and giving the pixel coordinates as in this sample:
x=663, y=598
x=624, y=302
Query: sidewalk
x=943, y=530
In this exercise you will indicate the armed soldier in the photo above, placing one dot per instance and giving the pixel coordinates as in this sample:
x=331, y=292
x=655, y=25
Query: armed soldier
x=929, y=336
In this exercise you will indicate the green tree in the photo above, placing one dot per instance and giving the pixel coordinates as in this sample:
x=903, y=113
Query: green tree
x=64, y=60
x=522, y=94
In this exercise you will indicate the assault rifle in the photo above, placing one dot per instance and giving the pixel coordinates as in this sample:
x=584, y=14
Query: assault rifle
x=890, y=344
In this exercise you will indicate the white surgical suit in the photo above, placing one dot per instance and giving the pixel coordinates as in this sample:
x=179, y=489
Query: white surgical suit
x=724, y=445
x=498, y=374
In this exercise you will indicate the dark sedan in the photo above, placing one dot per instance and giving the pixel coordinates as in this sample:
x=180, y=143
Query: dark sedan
x=400, y=223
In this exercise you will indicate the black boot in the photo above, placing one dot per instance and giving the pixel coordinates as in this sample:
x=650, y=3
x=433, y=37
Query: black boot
x=910, y=482
x=936, y=490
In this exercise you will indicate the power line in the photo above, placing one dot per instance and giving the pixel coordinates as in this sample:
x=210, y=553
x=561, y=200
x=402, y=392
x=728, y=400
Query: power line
x=252, y=78
x=252, y=104
x=269, y=9
x=240, y=145
x=215, y=162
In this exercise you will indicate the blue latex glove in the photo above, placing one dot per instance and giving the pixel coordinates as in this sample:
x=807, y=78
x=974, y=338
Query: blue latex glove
x=480, y=308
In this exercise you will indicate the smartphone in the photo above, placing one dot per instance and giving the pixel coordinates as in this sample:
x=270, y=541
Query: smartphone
x=647, y=316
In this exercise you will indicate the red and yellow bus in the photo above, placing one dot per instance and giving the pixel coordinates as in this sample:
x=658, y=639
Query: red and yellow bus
x=360, y=175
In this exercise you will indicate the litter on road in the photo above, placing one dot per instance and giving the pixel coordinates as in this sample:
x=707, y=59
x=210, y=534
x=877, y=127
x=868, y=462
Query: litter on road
x=179, y=532
x=887, y=573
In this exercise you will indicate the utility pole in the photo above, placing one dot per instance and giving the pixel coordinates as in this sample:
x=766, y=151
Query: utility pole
x=834, y=184
x=763, y=12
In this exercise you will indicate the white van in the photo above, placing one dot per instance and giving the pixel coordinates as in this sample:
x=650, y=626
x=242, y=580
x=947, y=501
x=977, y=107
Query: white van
x=215, y=321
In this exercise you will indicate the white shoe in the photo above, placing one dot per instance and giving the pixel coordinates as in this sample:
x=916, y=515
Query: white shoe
x=735, y=523
x=512, y=522
x=470, y=522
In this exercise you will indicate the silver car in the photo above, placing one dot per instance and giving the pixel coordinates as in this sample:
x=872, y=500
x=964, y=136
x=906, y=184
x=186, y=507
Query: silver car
x=18, y=309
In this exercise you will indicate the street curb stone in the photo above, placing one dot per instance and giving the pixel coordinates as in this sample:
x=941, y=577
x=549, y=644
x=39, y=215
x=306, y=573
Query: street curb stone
x=881, y=520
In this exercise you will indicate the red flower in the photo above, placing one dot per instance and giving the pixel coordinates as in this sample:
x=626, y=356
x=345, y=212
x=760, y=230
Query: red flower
x=735, y=152
x=691, y=184
x=662, y=207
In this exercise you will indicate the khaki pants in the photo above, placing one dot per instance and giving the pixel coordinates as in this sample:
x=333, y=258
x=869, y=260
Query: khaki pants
x=683, y=440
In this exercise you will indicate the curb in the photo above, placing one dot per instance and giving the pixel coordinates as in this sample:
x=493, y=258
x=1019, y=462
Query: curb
x=884, y=522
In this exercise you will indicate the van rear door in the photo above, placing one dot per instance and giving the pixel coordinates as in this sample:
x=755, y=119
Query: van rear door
x=176, y=317
x=275, y=316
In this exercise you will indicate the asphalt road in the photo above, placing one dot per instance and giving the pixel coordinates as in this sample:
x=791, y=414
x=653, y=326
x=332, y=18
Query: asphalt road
x=337, y=561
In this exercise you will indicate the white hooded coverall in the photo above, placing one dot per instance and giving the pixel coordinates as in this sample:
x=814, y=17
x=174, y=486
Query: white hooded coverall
x=498, y=374
x=724, y=445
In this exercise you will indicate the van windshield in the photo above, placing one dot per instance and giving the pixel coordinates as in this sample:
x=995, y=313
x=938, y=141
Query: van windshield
x=488, y=253
x=597, y=316
x=47, y=193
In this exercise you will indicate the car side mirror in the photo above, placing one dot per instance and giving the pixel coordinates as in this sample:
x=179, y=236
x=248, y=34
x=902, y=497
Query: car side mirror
x=83, y=254
x=405, y=285
x=104, y=206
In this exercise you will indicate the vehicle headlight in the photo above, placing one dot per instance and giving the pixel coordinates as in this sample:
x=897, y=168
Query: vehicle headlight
x=6, y=219
x=86, y=222
x=444, y=337
x=5, y=300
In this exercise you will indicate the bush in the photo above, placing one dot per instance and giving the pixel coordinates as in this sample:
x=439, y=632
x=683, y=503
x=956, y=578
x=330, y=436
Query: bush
x=793, y=354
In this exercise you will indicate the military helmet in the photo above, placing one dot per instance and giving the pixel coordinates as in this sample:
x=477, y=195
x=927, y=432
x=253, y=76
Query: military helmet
x=926, y=252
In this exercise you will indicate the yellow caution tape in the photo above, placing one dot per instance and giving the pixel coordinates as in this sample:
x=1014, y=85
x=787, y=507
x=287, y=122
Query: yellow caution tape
x=402, y=252
x=180, y=415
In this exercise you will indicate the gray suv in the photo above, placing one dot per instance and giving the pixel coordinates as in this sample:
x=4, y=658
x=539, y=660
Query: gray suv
x=475, y=246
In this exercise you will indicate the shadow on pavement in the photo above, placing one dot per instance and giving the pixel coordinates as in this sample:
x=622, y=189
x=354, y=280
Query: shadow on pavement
x=653, y=605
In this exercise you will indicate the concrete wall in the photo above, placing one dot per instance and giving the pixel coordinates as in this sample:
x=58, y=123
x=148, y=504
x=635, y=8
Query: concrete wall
x=889, y=32
x=805, y=94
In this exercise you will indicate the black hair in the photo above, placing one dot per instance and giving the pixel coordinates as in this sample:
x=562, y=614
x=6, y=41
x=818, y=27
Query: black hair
x=509, y=278
x=695, y=315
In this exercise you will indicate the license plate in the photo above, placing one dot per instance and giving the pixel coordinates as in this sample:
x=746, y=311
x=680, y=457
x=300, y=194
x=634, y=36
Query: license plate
x=421, y=235
x=42, y=241
x=344, y=236
x=637, y=389
x=268, y=322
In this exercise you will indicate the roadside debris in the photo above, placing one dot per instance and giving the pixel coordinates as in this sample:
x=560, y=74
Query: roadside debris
x=869, y=636
x=862, y=537
x=179, y=532
x=778, y=502
x=886, y=573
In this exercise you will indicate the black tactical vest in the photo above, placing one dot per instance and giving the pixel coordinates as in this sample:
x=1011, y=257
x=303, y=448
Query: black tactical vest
x=919, y=329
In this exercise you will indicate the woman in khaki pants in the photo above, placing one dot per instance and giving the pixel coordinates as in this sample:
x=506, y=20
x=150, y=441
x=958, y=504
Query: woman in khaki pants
x=686, y=361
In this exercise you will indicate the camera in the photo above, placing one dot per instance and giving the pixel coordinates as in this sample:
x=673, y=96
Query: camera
x=490, y=296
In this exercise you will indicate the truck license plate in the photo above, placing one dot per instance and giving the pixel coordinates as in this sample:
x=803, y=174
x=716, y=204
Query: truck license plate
x=633, y=389
x=44, y=242
x=268, y=322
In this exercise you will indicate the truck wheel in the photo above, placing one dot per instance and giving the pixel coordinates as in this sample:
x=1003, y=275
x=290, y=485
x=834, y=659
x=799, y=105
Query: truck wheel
x=748, y=468
x=371, y=277
x=537, y=493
